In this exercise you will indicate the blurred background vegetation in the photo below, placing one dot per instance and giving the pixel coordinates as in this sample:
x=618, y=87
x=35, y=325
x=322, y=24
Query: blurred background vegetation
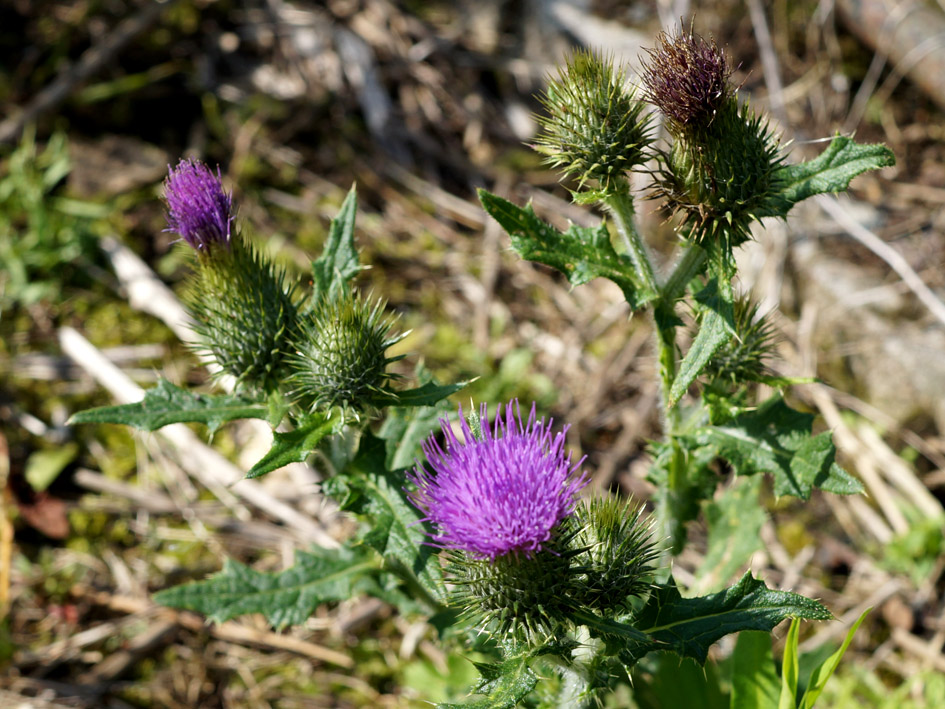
x=419, y=103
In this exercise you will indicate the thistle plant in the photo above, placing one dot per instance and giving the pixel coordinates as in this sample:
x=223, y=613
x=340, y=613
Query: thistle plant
x=486, y=526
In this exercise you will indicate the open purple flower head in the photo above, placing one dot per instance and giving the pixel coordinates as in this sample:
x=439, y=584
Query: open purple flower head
x=197, y=206
x=499, y=495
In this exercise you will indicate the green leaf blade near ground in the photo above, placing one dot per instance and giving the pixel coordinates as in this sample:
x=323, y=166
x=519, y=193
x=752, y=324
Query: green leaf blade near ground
x=286, y=598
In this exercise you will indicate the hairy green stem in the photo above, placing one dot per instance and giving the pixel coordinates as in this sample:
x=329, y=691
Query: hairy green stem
x=691, y=263
x=620, y=205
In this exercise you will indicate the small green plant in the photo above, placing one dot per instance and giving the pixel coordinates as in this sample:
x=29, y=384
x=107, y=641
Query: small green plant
x=483, y=527
x=41, y=232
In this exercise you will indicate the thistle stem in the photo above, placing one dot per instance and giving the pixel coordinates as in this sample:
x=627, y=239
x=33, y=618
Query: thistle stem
x=620, y=205
x=692, y=261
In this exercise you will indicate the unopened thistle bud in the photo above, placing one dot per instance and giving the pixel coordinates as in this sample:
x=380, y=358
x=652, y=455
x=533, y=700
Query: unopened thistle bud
x=616, y=554
x=595, y=130
x=723, y=167
x=745, y=357
x=501, y=504
x=340, y=354
x=243, y=309
x=198, y=208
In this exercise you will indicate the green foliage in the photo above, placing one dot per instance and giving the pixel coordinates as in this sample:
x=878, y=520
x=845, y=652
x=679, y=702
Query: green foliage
x=831, y=171
x=689, y=626
x=776, y=439
x=734, y=520
x=755, y=683
x=296, y=445
x=167, y=403
x=503, y=684
x=286, y=598
x=716, y=330
x=339, y=262
x=580, y=254
x=374, y=493
x=46, y=237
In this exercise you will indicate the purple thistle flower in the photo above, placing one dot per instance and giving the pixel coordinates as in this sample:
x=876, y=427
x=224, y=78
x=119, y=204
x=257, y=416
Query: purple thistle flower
x=197, y=207
x=687, y=78
x=502, y=494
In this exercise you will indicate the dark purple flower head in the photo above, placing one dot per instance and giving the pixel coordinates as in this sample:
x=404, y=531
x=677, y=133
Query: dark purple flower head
x=687, y=78
x=197, y=207
x=503, y=493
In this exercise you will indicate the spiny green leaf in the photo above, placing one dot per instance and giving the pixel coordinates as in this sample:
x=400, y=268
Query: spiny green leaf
x=427, y=394
x=166, y=404
x=395, y=531
x=504, y=684
x=404, y=430
x=580, y=253
x=296, y=445
x=286, y=598
x=775, y=439
x=339, y=262
x=689, y=626
x=716, y=301
x=831, y=171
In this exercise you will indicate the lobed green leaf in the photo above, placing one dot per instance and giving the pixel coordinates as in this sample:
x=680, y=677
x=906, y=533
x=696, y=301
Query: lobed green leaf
x=831, y=171
x=776, y=439
x=339, y=262
x=286, y=598
x=503, y=684
x=167, y=403
x=295, y=446
x=395, y=531
x=580, y=253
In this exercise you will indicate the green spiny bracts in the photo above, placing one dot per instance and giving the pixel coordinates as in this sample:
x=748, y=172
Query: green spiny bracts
x=721, y=176
x=245, y=314
x=595, y=131
x=744, y=358
x=515, y=596
x=616, y=554
x=723, y=168
x=339, y=356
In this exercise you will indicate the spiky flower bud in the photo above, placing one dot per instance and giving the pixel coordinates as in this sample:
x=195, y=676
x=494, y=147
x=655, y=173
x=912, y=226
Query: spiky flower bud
x=745, y=357
x=244, y=310
x=595, y=130
x=616, y=553
x=687, y=78
x=723, y=168
x=501, y=503
x=198, y=208
x=340, y=355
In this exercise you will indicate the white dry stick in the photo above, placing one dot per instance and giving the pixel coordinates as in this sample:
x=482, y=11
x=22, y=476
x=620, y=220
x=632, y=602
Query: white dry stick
x=201, y=461
x=886, y=252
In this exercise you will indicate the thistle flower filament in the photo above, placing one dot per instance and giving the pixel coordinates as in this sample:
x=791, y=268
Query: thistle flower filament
x=198, y=208
x=503, y=493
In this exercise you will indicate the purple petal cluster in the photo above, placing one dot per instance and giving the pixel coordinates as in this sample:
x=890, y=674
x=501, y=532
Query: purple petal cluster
x=503, y=493
x=687, y=78
x=197, y=207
